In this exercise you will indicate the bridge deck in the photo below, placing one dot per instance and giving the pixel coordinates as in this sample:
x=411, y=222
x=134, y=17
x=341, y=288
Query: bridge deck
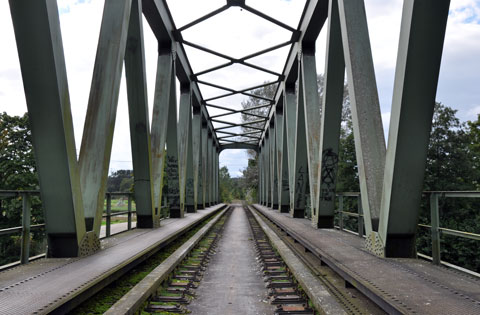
x=408, y=286
x=46, y=284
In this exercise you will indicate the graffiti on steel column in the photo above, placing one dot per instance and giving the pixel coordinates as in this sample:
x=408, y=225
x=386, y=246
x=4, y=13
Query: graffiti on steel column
x=189, y=188
x=200, y=178
x=173, y=191
x=329, y=174
x=300, y=188
x=285, y=186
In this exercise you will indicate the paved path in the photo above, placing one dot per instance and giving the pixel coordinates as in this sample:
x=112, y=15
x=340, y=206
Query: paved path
x=233, y=282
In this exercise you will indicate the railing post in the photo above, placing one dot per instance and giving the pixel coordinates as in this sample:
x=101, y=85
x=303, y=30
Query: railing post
x=109, y=212
x=435, y=222
x=129, y=226
x=340, y=210
x=360, y=216
x=25, y=249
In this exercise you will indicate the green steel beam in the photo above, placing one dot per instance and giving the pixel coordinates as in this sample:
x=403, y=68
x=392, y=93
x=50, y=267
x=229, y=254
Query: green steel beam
x=331, y=120
x=285, y=200
x=273, y=166
x=184, y=121
x=164, y=91
x=300, y=152
x=217, y=168
x=311, y=101
x=160, y=20
x=204, y=152
x=291, y=132
x=196, y=136
x=422, y=36
x=97, y=137
x=172, y=161
x=283, y=205
x=311, y=23
x=210, y=170
x=190, y=198
x=40, y=50
x=268, y=169
x=147, y=217
x=260, y=175
x=296, y=149
x=365, y=107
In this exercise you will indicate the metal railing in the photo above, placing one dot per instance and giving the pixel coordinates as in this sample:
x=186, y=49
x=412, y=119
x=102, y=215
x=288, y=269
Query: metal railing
x=27, y=228
x=108, y=216
x=435, y=229
x=341, y=212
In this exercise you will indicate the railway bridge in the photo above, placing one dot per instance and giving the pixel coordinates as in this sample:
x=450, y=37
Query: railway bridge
x=295, y=135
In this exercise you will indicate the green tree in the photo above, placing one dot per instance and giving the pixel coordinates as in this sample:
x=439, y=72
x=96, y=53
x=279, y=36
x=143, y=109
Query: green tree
x=452, y=164
x=224, y=185
x=120, y=180
x=17, y=172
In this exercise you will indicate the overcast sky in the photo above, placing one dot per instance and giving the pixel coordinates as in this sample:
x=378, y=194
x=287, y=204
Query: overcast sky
x=238, y=33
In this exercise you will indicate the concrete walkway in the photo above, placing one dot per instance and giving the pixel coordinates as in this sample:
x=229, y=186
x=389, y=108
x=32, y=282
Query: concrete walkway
x=233, y=282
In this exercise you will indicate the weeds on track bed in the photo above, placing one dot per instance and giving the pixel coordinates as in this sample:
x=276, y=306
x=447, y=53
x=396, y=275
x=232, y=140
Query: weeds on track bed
x=103, y=300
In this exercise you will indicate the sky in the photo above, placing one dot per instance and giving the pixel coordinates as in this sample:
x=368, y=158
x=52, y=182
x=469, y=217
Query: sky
x=237, y=33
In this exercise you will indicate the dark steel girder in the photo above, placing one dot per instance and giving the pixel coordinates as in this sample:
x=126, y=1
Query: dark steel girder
x=245, y=146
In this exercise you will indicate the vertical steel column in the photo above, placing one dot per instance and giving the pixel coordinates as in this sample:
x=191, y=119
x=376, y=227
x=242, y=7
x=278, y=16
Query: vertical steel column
x=331, y=120
x=26, y=214
x=164, y=95
x=210, y=170
x=297, y=149
x=268, y=168
x=108, y=221
x=260, y=174
x=171, y=170
x=280, y=126
x=214, y=171
x=184, y=123
x=97, y=137
x=273, y=165
x=366, y=117
x=147, y=217
x=40, y=51
x=190, y=199
x=205, y=165
x=435, y=230
x=418, y=65
x=196, y=136
x=285, y=199
x=264, y=172
x=311, y=100
x=217, y=168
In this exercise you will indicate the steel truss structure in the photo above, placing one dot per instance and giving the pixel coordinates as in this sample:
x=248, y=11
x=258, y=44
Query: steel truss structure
x=297, y=142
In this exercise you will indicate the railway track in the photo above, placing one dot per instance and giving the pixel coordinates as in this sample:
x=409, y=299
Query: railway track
x=349, y=298
x=284, y=291
x=171, y=286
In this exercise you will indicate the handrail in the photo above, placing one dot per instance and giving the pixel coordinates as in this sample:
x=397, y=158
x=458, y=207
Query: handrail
x=436, y=230
x=26, y=228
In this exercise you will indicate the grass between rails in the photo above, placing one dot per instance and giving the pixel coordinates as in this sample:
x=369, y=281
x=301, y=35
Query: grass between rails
x=103, y=300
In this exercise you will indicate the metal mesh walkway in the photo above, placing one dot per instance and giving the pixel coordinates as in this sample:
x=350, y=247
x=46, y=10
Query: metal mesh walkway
x=409, y=286
x=44, y=285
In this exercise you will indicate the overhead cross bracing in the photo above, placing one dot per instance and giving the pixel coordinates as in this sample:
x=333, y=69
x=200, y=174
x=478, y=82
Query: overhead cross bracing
x=221, y=98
